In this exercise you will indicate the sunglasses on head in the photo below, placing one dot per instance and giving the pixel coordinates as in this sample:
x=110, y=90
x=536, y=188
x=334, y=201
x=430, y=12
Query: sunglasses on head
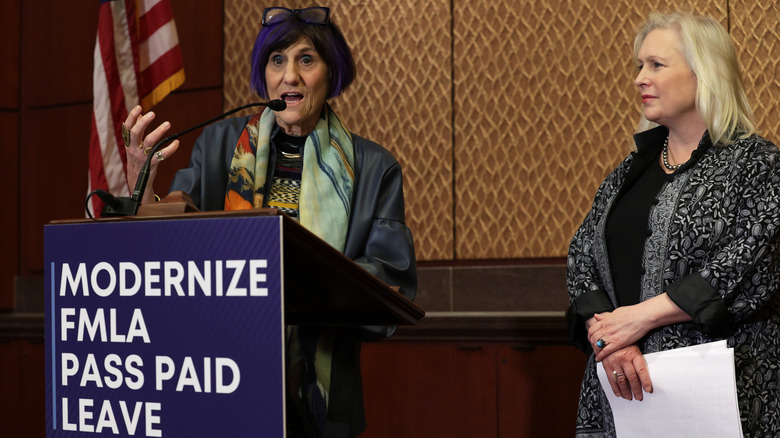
x=312, y=15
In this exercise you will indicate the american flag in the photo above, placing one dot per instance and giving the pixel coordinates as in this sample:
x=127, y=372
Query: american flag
x=137, y=60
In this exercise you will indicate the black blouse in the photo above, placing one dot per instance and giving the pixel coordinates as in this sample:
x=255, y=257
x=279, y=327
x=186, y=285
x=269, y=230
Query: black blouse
x=627, y=229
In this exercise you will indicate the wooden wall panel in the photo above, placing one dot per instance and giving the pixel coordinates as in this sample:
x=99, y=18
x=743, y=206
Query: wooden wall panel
x=9, y=217
x=470, y=389
x=538, y=390
x=58, y=40
x=53, y=163
x=10, y=46
x=22, y=380
x=33, y=395
x=10, y=388
x=401, y=98
x=429, y=390
x=56, y=91
x=199, y=26
x=755, y=27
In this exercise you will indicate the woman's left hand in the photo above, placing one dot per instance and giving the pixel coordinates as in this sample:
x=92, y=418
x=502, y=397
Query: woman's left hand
x=618, y=329
x=627, y=373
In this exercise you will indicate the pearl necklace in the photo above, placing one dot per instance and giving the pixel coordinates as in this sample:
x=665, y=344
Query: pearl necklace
x=665, y=157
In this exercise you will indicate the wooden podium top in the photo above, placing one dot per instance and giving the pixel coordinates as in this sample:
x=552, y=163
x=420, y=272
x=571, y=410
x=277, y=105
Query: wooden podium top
x=321, y=285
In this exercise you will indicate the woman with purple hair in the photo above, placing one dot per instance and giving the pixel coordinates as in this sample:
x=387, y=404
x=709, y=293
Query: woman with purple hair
x=305, y=162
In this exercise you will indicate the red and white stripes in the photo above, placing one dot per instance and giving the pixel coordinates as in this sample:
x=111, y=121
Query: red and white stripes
x=137, y=59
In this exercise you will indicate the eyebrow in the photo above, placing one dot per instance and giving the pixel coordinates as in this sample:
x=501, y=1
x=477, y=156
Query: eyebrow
x=652, y=58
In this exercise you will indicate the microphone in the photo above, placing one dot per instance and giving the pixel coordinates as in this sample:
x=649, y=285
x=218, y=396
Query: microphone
x=124, y=206
x=275, y=105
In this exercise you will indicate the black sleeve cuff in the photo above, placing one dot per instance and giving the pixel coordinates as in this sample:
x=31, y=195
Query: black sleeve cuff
x=694, y=295
x=583, y=309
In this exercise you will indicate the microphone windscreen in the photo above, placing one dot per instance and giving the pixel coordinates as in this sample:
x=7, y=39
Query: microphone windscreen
x=277, y=105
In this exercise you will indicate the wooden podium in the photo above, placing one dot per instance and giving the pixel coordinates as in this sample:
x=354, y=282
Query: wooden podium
x=175, y=325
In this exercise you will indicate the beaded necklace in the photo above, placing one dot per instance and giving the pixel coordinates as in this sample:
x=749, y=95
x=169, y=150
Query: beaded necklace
x=665, y=157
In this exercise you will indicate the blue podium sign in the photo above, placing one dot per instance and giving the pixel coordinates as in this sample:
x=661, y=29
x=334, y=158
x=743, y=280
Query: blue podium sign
x=165, y=328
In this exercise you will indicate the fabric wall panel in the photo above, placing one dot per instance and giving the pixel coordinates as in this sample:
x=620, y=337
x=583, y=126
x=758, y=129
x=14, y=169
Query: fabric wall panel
x=755, y=29
x=545, y=106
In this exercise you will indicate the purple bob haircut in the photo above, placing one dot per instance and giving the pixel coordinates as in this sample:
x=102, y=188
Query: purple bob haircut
x=328, y=41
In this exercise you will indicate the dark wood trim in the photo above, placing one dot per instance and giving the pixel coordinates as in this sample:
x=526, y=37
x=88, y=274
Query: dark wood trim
x=29, y=326
x=523, y=327
x=491, y=262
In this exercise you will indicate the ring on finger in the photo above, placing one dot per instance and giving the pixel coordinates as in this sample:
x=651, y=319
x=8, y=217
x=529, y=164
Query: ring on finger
x=159, y=156
x=146, y=151
x=125, y=135
x=601, y=343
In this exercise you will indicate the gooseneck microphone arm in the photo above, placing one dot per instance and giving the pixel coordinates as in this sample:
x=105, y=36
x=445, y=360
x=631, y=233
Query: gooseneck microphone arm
x=129, y=206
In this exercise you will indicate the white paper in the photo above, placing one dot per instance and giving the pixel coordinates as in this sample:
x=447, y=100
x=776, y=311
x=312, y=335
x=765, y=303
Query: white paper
x=694, y=395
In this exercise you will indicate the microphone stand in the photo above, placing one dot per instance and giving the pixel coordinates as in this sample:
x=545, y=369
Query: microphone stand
x=124, y=206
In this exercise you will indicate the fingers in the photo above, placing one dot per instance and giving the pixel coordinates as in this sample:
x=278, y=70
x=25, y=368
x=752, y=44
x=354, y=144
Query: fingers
x=628, y=374
x=632, y=386
x=640, y=365
x=158, y=157
x=615, y=378
x=153, y=137
x=598, y=338
x=137, y=123
x=132, y=116
x=608, y=349
x=602, y=349
x=147, y=143
x=139, y=128
x=621, y=385
x=628, y=383
x=166, y=152
x=140, y=144
x=604, y=344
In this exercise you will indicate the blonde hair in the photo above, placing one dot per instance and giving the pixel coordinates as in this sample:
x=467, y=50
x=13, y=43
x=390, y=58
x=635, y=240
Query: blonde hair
x=710, y=54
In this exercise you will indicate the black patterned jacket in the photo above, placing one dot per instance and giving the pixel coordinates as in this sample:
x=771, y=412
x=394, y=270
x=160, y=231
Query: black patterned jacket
x=713, y=247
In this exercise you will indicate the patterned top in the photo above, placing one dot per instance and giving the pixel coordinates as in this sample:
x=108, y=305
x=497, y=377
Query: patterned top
x=285, y=190
x=713, y=248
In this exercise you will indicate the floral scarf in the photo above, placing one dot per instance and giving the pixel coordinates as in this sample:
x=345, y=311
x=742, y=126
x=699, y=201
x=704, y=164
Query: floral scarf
x=324, y=206
x=327, y=178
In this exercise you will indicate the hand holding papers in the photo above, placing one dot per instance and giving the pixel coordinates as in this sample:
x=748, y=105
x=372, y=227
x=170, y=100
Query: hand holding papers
x=694, y=395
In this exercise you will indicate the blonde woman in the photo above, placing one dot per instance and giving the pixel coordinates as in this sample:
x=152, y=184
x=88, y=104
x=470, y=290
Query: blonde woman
x=681, y=245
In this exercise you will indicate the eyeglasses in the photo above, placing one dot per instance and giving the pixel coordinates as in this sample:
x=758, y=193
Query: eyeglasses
x=313, y=15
